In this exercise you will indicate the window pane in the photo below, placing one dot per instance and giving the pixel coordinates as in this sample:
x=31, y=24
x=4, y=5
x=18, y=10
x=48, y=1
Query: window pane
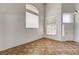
x=32, y=8
x=63, y=30
x=67, y=18
x=51, y=29
x=32, y=21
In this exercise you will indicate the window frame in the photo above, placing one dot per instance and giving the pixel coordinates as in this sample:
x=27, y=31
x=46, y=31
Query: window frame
x=71, y=14
x=63, y=24
x=51, y=24
x=33, y=13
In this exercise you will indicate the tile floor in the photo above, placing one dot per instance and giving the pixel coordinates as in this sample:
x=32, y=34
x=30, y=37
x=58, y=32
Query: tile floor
x=44, y=46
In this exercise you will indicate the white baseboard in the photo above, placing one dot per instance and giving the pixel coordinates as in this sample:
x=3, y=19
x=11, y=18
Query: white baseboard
x=76, y=41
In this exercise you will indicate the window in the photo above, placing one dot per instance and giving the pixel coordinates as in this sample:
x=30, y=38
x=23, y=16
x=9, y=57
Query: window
x=63, y=30
x=67, y=19
x=51, y=29
x=32, y=8
x=51, y=26
x=32, y=16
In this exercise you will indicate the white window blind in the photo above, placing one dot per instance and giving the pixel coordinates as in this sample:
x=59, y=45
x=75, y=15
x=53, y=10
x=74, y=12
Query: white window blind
x=32, y=20
x=51, y=29
x=51, y=26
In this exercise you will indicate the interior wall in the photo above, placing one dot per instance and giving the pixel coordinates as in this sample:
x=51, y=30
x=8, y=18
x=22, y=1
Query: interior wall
x=12, y=25
x=68, y=7
x=1, y=31
x=54, y=9
x=77, y=24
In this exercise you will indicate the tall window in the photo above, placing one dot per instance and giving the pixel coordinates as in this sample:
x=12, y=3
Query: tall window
x=67, y=19
x=32, y=16
x=51, y=26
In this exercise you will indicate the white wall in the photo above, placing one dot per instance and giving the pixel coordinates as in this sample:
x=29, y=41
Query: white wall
x=1, y=31
x=12, y=25
x=77, y=24
x=68, y=7
x=54, y=9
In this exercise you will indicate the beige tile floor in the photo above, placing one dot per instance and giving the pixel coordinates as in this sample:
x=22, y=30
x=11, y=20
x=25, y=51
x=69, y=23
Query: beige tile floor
x=44, y=46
